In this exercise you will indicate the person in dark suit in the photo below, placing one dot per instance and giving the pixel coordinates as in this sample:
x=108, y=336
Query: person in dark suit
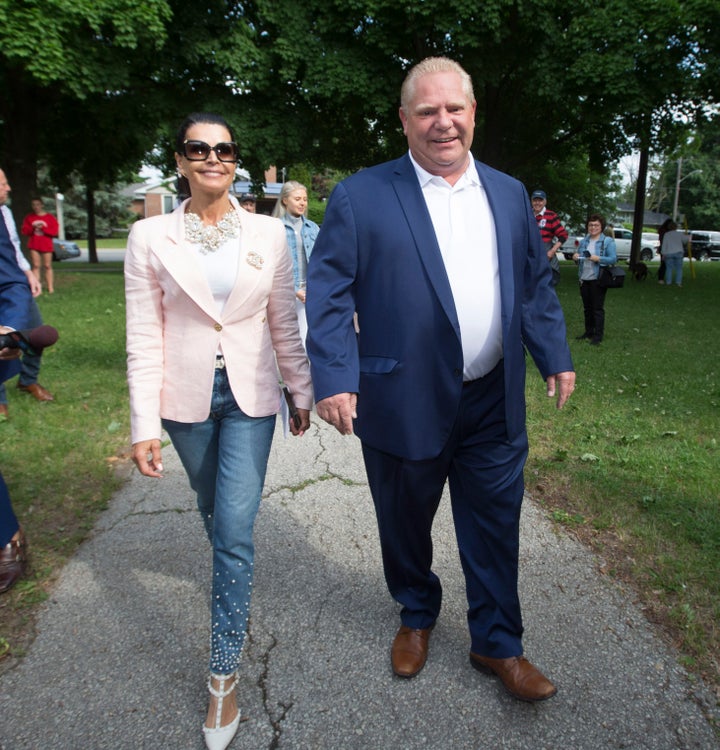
x=439, y=257
x=19, y=287
x=15, y=301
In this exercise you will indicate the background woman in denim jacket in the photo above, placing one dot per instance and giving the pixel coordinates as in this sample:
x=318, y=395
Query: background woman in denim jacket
x=595, y=250
x=301, y=234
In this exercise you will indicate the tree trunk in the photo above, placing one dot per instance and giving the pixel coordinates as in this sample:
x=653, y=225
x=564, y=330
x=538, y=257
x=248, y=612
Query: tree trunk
x=19, y=112
x=639, y=214
x=92, y=244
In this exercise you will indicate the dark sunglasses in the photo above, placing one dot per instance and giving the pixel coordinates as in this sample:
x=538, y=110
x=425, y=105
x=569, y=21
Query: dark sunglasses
x=199, y=150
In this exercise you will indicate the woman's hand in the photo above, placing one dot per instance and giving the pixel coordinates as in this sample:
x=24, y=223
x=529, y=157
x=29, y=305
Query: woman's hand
x=148, y=458
x=301, y=294
x=304, y=415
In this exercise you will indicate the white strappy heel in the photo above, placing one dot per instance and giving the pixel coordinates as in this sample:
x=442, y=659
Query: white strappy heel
x=219, y=737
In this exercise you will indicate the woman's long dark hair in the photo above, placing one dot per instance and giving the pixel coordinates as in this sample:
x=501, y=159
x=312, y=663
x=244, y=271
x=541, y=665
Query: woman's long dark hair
x=196, y=118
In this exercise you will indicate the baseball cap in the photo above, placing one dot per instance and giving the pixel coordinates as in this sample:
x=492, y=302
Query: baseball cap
x=539, y=194
x=245, y=197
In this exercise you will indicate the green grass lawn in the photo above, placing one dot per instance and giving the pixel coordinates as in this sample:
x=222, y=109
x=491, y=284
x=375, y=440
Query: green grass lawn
x=630, y=465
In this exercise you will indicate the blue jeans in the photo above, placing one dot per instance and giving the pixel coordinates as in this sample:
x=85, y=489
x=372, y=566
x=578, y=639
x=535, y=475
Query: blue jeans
x=673, y=264
x=30, y=362
x=225, y=458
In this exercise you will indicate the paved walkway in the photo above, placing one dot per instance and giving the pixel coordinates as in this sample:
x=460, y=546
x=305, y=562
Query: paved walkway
x=119, y=659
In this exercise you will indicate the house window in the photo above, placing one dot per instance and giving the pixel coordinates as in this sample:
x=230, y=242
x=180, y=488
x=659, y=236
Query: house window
x=168, y=204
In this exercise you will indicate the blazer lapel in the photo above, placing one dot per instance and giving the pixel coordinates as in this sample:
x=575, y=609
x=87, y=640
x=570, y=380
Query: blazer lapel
x=503, y=239
x=421, y=227
x=254, y=259
x=178, y=260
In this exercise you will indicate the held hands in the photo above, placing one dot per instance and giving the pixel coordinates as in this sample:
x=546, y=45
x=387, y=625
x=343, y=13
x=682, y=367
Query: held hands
x=339, y=411
x=147, y=457
x=564, y=384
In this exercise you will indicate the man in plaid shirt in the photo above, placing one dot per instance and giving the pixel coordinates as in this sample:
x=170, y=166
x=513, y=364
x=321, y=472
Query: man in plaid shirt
x=552, y=231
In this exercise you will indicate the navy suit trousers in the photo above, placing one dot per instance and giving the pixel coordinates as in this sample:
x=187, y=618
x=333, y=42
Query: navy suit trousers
x=485, y=473
x=8, y=522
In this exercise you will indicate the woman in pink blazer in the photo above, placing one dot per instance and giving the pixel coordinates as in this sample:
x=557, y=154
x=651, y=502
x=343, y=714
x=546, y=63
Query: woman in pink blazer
x=210, y=320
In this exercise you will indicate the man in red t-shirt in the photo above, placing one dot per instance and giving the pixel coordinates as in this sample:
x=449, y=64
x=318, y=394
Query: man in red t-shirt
x=551, y=229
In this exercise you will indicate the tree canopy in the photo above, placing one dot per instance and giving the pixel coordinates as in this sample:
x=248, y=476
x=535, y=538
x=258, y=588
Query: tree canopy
x=563, y=90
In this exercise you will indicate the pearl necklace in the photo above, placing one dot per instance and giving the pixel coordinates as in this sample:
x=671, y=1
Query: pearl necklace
x=211, y=237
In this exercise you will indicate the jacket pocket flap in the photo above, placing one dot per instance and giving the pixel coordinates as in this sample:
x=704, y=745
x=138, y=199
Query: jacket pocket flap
x=377, y=365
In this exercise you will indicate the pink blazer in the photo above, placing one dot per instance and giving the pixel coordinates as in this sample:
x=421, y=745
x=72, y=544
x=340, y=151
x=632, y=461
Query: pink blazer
x=174, y=329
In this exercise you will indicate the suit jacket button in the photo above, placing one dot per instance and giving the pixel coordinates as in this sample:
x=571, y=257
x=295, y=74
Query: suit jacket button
x=218, y=327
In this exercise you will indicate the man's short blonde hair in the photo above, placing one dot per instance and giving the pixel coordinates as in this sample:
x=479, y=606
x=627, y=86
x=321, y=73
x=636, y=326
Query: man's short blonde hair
x=433, y=65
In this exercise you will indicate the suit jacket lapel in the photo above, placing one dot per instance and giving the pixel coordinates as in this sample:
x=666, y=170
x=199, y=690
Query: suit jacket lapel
x=503, y=239
x=421, y=227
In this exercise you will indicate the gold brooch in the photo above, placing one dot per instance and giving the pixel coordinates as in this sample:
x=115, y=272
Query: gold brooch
x=255, y=260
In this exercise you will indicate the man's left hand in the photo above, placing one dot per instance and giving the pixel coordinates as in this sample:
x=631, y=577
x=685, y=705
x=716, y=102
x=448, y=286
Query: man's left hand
x=564, y=384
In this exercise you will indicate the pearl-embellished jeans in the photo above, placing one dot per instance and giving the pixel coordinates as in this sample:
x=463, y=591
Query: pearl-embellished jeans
x=225, y=458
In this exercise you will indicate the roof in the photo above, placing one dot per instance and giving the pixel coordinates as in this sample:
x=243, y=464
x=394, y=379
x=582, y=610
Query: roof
x=650, y=218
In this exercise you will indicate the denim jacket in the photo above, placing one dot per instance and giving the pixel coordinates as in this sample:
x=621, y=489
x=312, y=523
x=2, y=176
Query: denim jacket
x=309, y=233
x=604, y=247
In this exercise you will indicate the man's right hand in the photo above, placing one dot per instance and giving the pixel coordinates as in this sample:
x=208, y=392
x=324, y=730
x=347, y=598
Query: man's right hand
x=339, y=411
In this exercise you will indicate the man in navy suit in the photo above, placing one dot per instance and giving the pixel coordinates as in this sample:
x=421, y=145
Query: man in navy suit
x=18, y=289
x=15, y=295
x=15, y=301
x=441, y=259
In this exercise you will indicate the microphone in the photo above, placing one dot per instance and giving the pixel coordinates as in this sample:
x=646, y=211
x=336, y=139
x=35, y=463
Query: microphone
x=32, y=341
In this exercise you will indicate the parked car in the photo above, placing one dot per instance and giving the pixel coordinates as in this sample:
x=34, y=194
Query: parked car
x=623, y=241
x=705, y=244
x=570, y=245
x=62, y=250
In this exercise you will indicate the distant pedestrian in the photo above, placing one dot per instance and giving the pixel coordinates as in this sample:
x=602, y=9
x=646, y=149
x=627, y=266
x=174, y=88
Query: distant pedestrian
x=41, y=227
x=552, y=231
x=674, y=245
x=291, y=208
x=249, y=202
x=664, y=227
x=596, y=249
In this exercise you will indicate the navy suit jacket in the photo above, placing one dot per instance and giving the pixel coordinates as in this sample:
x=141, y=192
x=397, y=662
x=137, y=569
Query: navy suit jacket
x=377, y=255
x=15, y=295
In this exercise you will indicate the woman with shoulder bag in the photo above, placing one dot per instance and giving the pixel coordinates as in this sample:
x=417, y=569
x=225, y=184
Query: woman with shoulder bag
x=596, y=250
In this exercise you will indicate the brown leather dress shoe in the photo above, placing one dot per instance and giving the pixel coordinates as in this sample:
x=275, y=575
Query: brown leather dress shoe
x=520, y=678
x=37, y=391
x=13, y=561
x=409, y=651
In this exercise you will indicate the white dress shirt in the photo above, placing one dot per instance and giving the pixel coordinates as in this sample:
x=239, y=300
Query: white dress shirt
x=465, y=232
x=22, y=261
